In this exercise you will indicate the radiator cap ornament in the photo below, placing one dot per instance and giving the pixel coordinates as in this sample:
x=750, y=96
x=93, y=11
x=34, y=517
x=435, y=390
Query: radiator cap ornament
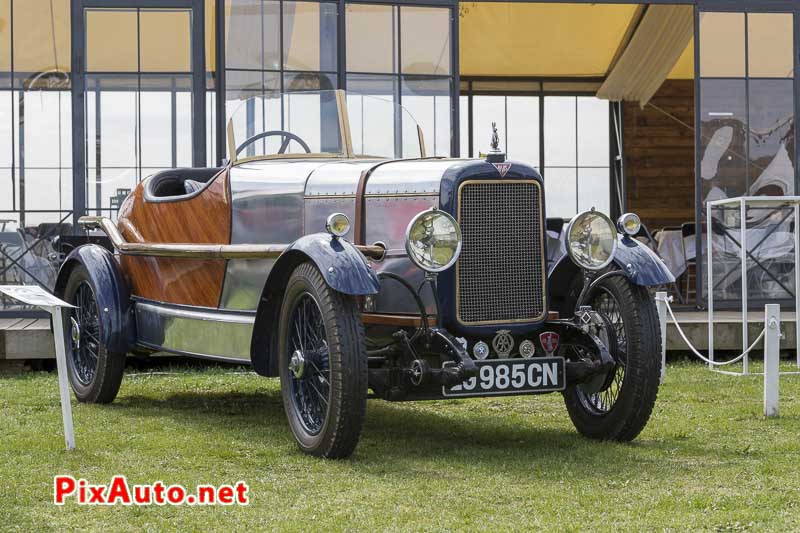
x=495, y=155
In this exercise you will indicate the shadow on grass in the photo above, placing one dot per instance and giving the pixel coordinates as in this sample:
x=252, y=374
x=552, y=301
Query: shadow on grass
x=484, y=439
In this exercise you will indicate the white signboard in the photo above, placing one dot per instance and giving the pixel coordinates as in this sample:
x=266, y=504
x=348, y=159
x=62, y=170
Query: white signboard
x=32, y=295
x=37, y=296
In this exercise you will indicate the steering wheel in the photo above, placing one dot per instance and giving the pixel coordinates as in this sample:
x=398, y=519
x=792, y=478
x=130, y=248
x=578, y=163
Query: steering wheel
x=287, y=138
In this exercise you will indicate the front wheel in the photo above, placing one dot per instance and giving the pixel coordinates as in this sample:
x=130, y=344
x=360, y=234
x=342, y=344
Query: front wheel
x=323, y=365
x=621, y=410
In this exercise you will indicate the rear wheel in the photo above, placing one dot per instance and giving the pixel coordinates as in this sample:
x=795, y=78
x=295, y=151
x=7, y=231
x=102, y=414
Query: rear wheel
x=621, y=410
x=323, y=365
x=94, y=373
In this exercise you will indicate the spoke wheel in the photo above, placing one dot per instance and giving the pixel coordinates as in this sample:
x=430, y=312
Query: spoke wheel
x=95, y=374
x=622, y=409
x=84, y=338
x=604, y=302
x=322, y=363
x=308, y=364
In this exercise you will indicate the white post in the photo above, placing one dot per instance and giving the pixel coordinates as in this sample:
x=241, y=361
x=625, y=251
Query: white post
x=772, y=354
x=661, y=306
x=743, y=242
x=797, y=282
x=710, y=284
x=63, y=385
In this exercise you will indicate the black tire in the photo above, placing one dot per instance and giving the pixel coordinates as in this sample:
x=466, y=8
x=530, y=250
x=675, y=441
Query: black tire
x=94, y=373
x=622, y=411
x=325, y=327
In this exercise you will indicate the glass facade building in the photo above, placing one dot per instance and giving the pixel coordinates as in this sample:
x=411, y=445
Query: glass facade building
x=95, y=95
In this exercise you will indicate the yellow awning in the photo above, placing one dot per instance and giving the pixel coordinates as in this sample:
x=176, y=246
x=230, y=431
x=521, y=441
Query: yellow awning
x=653, y=51
x=519, y=39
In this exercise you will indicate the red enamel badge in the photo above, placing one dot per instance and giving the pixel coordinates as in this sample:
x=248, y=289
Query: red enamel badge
x=549, y=340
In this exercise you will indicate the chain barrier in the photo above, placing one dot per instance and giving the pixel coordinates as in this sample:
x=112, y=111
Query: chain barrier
x=705, y=359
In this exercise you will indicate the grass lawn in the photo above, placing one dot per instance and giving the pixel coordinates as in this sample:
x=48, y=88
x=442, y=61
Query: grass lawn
x=707, y=460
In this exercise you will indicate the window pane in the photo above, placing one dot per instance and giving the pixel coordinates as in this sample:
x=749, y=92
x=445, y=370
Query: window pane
x=6, y=193
x=47, y=188
x=593, y=149
x=308, y=81
x=253, y=34
x=771, y=137
x=463, y=118
x=372, y=118
x=722, y=45
x=210, y=35
x=770, y=45
x=309, y=36
x=560, y=191
x=165, y=40
x=5, y=41
x=117, y=128
x=485, y=110
x=40, y=45
x=523, y=129
x=6, y=127
x=425, y=40
x=111, y=37
x=258, y=115
x=559, y=131
x=723, y=115
x=593, y=189
x=371, y=38
x=47, y=135
x=428, y=101
x=156, y=124
x=183, y=130
x=313, y=117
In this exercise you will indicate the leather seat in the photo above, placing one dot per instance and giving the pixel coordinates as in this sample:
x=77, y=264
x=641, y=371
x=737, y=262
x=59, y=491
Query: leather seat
x=177, y=184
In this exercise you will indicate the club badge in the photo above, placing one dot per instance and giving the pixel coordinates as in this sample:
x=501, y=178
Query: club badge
x=549, y=340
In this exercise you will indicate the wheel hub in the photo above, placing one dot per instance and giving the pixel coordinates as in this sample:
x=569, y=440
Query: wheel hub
x=75, y=333
x=297, y=364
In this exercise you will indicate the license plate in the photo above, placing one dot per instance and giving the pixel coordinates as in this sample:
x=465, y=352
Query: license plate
x=498, y=377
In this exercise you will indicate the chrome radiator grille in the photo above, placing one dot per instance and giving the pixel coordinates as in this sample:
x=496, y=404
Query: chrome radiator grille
x=500, y=276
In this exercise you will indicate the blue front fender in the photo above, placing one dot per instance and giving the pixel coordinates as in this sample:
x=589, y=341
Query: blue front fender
x=344, y=268
x=640, y=264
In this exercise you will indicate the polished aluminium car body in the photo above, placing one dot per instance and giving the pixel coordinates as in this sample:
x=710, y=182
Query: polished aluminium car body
x=202, y=258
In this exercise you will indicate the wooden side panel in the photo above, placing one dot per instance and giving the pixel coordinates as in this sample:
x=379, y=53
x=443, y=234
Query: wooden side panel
x=204, y=219
x=659, y=156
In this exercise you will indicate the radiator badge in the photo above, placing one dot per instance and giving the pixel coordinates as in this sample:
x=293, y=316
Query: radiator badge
x=503, y=343
x=549, y=340
x=502, y=168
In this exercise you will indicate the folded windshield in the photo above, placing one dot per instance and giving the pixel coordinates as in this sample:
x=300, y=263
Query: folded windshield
x=322, y=123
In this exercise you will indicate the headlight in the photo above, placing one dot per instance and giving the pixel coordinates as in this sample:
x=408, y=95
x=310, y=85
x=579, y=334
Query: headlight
x=629, y=223
x=337, y=224
x=433, y=240
x=591, y=240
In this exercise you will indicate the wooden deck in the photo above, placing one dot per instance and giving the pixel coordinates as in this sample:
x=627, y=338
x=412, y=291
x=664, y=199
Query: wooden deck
x=31, y=338
x=26, y=338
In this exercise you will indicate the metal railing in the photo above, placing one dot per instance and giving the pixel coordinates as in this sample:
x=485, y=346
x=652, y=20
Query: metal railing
x=776, y=202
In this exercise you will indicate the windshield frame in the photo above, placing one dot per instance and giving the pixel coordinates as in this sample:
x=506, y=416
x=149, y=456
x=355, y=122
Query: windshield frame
x=344, y=134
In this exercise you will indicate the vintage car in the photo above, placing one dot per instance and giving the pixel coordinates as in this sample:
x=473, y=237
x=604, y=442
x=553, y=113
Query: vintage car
x=354, y=276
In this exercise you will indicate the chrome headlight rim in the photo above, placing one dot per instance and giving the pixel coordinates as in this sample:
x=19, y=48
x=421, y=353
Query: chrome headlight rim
x=412, y=253
x=622, y=224
x=337, y=224
x=611, y=225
